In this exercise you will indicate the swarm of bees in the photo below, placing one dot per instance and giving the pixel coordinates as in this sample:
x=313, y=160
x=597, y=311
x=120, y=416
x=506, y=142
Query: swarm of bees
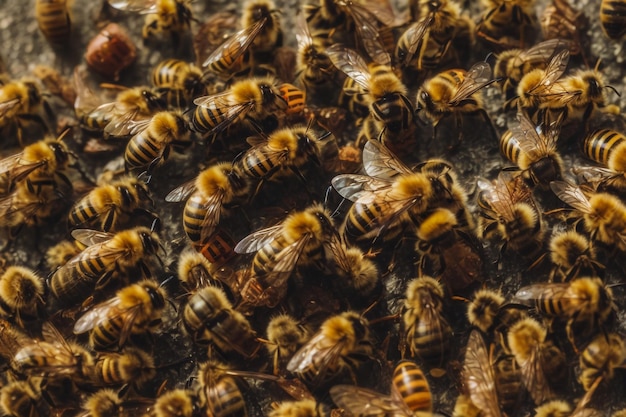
x=399, y=208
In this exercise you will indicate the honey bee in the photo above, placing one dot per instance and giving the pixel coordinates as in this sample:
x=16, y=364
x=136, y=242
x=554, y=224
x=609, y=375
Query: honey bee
x=106, y=256
x=512, y=64
x=533, y=151
x=613, y=18
x=53, y=18
x=390, y=108
x=448, y=252
x=112, y=204
x=194, y=272
x=110, y=51
x=285, y=150
x=561, y=21
x=366, y=20
x=586, y=303
x=153, y=141
x=162, y=16
x=22, y=294
x=508, y=209
x=21, y=399
x=134, y=309
x=480, y=378
x=601, y=357
x=608, y=148
x=573, y=257
x=220, y=394
x=31, y=207
x=303, y=408
x=507, y=24
x=578, y=95
x=285, y=336
x=59, y=254
x=604, y=215
x=265, y=14
x=381, y=200
x=209, y=197
x=535, y=87
x=255, y=98
x=440, y=33
x=209, y=317
x=54, y=357
x=131, y=106
x=357, y=273
x=542, y=364
x=40, y=165
x=175, y=74
x=20, y=102
x=86, y=103
x=299, y=239
x=109, y=403
x=130, y=366
x=338, y=345
x=315, y=71
x=491, y=314
x=455, y=92
x=176, y=403
x=426, y=331
x=410, y=395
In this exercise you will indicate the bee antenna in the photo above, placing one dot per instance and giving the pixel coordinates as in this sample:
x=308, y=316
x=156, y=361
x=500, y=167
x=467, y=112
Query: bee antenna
x=489, y=55
x=614, y=90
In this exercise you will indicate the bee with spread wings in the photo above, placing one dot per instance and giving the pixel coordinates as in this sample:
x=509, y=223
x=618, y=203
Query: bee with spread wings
x=390, y=191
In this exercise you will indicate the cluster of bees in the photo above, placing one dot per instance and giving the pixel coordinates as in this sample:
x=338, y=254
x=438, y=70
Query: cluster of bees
x=297, y=227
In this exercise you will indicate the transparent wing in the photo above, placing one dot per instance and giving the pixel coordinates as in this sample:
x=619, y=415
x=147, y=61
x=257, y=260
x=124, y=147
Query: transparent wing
x=303, y=34
x=239, y=42
x=533, y=377
x=364, y=22
x=414, y=37
x=256, y=240
x=181, y=192
x=90, y=237
x=228, y=110
x=380, y=162
x=8, y=105
x=556, y=67
x=137, y=6
x=477, y=77
x=351, y=63
x=572, y=195
x=355, y=187
x=96, y=316
x=359, y=401
x=479, y=376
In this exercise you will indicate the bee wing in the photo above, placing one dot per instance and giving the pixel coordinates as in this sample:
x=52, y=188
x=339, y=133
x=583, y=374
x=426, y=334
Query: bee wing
x=181, y=192
x=317, y=354
x=359, y=187
x=351, y=63
x=121, y=120
x=8, y=105
x=477, y=77
x=380, y=162
x=556, y=67
x=51, y=334
x=136, y=126
x=86, y=100
x=533, y=377
x=542, y=51
x=524, y=132
x=594, y=174
x=239, y=42
x=97, y=315
x=368, y=32
x=222, y=104
x=286, y=261
x=338, y=250
x=568, y=301
x=479, y=376
x=15, y=168
x=212, y=214
x=137, y=6
x=256, y=240
x=90, y=237
x=292, y=386
x=359, y=401
x=11, y=340
x=303, y=34
x=415, y=35
x=571, y=194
